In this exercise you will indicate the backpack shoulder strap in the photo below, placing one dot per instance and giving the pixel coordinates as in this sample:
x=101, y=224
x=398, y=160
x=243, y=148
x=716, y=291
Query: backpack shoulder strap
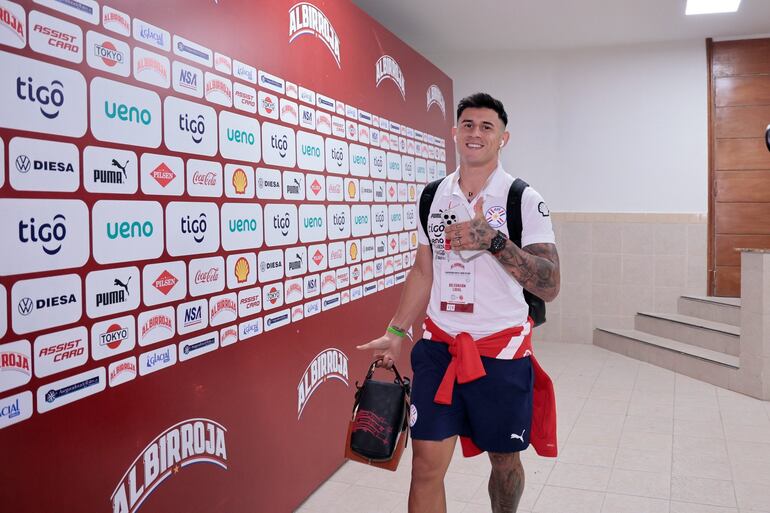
x=513, y=210
x=426, y=200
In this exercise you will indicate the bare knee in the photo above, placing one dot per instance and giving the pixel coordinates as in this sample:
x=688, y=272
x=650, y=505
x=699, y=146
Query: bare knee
x=506, y=462
x=426, y=469
x=430, y=460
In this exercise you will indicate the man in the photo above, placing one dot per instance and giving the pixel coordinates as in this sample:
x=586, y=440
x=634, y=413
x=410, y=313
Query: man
x=475, y=306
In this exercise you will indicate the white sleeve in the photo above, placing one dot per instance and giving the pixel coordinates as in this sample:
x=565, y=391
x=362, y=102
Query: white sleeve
x=535, y=219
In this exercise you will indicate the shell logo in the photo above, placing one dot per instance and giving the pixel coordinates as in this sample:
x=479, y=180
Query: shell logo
x=353, y=251
x=240, y=181
x=351, y=190
x=242, y=270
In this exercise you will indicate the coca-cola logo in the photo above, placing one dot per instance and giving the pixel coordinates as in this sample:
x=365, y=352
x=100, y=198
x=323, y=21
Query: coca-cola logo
x=210, y=276
x=201, y=178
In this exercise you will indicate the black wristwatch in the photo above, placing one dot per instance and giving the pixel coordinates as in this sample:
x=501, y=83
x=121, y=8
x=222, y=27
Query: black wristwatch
x=498, y=243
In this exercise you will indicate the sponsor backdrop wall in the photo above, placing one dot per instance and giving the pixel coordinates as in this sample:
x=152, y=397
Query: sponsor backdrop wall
x=204, y=207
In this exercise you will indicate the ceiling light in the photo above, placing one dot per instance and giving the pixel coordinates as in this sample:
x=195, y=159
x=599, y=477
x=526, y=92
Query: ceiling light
x=711, y=6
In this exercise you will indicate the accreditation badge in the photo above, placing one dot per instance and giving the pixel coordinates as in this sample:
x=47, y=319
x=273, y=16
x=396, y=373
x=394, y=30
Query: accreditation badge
x=457, y=285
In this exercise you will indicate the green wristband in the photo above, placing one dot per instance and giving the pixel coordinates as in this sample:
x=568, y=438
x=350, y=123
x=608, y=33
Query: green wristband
x=396, y=331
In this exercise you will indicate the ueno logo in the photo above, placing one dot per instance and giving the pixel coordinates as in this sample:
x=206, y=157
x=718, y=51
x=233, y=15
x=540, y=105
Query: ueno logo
x=129, y=113
x=129, y=230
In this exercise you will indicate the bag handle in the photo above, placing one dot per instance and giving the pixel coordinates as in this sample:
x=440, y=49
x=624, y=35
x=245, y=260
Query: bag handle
x=400, y=381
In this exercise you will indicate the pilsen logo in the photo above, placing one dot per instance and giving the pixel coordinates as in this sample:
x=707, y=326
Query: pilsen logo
x=306, y=18
x=329, y=364
x=163, y=174
x=435, y=97
x=165, y=282
x=387, y=67
x=190, y=441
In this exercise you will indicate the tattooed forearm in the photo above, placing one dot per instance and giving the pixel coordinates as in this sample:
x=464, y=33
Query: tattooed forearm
x=535, y=267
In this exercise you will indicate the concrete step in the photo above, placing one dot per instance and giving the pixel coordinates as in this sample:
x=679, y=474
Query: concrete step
x=711, y=366
x=726, y=310
x=715, y=336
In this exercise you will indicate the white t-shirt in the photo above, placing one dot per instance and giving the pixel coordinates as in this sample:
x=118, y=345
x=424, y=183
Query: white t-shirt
x=498, y=297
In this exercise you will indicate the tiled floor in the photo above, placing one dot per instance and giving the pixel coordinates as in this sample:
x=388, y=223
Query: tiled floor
x=634, y=438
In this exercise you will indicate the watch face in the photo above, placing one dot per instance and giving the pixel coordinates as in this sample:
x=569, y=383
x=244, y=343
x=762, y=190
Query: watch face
x=498, y=243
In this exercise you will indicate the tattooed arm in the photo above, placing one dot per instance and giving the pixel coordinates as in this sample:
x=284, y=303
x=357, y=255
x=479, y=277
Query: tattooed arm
x=535, y=267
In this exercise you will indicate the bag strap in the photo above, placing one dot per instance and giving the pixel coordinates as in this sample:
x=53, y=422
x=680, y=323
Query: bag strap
x=426, y=200
x=513, y=210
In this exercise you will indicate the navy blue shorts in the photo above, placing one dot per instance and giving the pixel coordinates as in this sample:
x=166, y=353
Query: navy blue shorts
x=495, y=411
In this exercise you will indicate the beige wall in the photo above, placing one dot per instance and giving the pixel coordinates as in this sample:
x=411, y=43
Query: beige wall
x=616, y=264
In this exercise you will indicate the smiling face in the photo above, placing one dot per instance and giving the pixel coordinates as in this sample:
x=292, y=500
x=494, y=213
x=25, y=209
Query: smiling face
x=479, y=135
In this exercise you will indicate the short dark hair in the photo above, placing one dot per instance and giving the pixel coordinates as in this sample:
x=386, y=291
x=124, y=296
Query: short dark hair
x=483, y=101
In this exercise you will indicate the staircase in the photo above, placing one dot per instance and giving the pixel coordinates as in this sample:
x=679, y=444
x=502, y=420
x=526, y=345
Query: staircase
x=701, y=340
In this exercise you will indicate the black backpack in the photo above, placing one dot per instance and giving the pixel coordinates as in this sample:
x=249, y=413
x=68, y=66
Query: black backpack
x=513, y=213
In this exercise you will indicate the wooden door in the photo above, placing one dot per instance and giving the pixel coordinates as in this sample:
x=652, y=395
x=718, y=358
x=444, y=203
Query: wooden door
x=739, y=162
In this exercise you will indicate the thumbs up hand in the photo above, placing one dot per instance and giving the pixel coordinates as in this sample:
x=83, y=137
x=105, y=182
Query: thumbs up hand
x=473, y=234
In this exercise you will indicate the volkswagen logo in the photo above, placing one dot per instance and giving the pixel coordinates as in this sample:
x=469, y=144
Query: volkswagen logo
x=22, y=163
x=25, y=306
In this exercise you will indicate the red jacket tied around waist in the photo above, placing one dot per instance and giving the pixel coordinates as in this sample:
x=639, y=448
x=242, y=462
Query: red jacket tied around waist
x=466, y=366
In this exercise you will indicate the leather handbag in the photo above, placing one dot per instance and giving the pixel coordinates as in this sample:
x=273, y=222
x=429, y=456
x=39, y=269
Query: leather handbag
x=379, y=428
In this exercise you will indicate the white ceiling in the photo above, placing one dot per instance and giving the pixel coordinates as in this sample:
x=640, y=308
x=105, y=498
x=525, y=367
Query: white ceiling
x=446, y=26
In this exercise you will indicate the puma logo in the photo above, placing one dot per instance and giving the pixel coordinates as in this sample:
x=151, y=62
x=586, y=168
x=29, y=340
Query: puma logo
x=122, y=168
x=119, y=283
x=520, y=437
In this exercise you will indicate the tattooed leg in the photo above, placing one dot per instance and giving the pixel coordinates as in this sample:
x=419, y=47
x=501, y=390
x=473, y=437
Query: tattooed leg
x=506, y=483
